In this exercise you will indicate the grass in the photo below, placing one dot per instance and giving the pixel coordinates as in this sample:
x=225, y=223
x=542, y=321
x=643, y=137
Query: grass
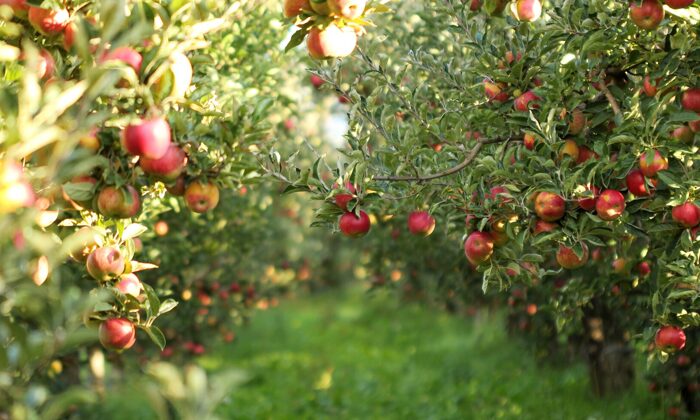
x=348, y=355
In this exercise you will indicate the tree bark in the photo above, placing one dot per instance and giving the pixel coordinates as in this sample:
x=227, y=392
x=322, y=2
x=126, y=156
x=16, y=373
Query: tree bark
x=609, y=355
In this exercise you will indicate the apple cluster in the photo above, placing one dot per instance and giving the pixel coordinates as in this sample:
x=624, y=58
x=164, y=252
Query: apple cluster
x=331, y=27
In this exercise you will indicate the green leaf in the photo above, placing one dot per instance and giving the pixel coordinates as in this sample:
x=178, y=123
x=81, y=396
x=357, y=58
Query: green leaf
x=167, y=305
x=156, y=335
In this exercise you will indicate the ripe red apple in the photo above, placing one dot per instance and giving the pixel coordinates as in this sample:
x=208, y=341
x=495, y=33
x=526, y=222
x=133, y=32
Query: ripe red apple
x=670, y=338
x=129, y=284
x=498, y=194
x=342, y=199
x=354, y=226
x=120, y=203
x=649, y=88
x=472, y=135
x=643, y=268
x=474, y=5
x=69, y=35
x=691, y=99
x=148, y=138
x=478, y=247
x=636, y=184
x=542, y=227
x=495, y=91
x=683, y=360
x=647, y=15
x=679, y=4
x=331, y=42
x=567, y=258
x=117, y=334
x=686, y=214
x=610, y=205
x=529, y=141
x=521, y=102
x=348, y=9
x=316, y=80
x=526, y=10
x=169, y=167
x=48, y=21
x=549, y=206
x=126, y=55
x=105, y=263
x=293, y=8
x=588, y=204
x=584, y=154
x=201, y=197
x=695, y=125
x=421, y=223
x=683, y=133
x=650, y=167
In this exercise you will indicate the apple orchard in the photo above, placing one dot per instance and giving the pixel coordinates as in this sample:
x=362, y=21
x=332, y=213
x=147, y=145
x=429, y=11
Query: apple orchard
x=536, y=154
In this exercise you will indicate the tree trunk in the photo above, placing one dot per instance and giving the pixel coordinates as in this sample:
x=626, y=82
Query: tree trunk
x=610, y=357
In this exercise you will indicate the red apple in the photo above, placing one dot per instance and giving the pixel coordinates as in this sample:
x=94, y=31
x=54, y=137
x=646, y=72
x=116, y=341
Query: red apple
x=331, y=42
x=421, y=223
x=683, y=133
x=129, y=284
x=542, y=227
x=526, y=10
x=670, y=338
x=584, y=154
x=316, y=80
x=342, y=199
x=475, y=5
x=619, y=265
x=293, y=8
x=169, y=167
x=478, y=247
x=69, y=35
x=126, y=55
x=117, y=334
x=650, y=167
x=498, y=194
x=148, y=138
x=649, y=88
x=549, y=206
x=567, y=258
x=201, y=197
x=636, y=184
x=495, y=91
x=679, y=4
x=683, y=360
x=105, y=263
x=348, y=9
x=695, y=125
x=588, y=204
x=161, y=228
x=686, y=214
x=647, y=15
x=48, y=21
x=529, y=141
x=354, y=226
x=177, y=188
x=643, y=268
x=521, y=102
x=120, y=203
x=610, y=205
x=691, y=99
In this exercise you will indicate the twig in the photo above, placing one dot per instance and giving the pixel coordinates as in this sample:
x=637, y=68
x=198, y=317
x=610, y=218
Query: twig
x=613, y=102
x=470, y=157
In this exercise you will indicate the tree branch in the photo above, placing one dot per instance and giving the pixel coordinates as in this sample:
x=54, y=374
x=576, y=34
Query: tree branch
x=470, y=157
x=613, y=102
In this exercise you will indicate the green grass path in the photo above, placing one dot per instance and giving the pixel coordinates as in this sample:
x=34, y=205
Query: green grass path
x=349, y=355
